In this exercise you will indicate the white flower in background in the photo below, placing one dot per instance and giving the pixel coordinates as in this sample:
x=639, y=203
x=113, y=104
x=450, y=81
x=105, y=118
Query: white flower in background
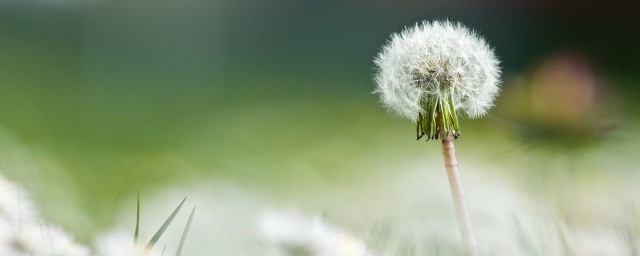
x=299, y=235
x=437, y=67
x=23, y=233
x=15, y=204
x=119, y=243
x=41, y=239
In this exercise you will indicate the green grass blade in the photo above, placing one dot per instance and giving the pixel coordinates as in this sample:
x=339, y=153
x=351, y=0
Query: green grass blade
x=185, y=232
x=164, y=227
x=137, y=231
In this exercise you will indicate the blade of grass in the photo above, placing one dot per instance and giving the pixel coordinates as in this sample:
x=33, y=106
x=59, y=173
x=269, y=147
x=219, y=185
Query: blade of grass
x=164, y=227
x=137, y=231
x=185, y=232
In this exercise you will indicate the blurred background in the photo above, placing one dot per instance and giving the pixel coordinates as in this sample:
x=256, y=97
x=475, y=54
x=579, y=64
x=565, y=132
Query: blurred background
x=103, y=98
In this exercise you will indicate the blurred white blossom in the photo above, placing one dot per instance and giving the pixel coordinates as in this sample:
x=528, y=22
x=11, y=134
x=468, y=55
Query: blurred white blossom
x=296, y=234
x=23, y=233
x=120, y=242
x=15, y=204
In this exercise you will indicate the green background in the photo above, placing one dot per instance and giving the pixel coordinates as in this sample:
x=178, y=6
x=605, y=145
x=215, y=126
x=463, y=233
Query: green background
x=100, y=99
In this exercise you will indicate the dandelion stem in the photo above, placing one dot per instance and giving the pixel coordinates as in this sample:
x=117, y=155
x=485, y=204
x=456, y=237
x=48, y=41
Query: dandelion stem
x=451, y=165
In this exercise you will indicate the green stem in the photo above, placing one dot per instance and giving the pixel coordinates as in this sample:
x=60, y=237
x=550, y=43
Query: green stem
x=435, y=108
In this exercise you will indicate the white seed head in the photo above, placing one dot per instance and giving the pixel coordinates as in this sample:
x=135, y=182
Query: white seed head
x=426, y=59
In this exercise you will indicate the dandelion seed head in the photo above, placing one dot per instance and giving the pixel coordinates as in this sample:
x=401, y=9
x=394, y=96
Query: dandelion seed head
x=432, y=60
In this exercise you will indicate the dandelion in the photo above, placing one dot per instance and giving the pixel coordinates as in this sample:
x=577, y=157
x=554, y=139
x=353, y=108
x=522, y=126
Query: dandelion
x=427, y=74
x=296, y=234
